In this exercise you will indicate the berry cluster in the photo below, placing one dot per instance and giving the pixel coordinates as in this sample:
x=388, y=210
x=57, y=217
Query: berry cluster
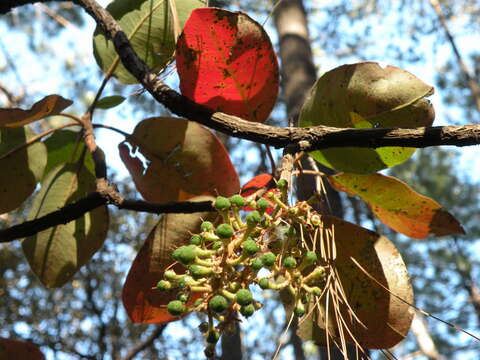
x=224, y=260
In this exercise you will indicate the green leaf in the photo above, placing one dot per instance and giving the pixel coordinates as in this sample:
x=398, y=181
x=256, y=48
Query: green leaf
x=149, y=26
x=56, y=254
x=355, y=256
x=184, y=159
x=20, y=170
x=144, y=303
x=109, y=102
x=48, y=106
x=365, y=95
x=398, y=206
x=66, y=146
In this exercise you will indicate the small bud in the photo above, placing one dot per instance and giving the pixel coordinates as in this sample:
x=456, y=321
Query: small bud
x=238, y=200
x=176, y=307
x=203, y=327
x=282, y=183
x=264, y=283
x=250, y=247
x=222, y=203
x=315, y=220
x=217, y=245
x=170, y=275
x=247, y=310
x=311, y=257
x=253, y=218
x=224, y=231
x=289, y=262
x=256, y=264
x=210, y=237
x=196, y=240
x=263, y=205
x=234, y=286
x=184, y=254
x=213, y=336
x=183, y=297
x=206, y=226
x=269, y=259
x=198, y=271
x=164, y=285
x=299, y=309
x=244, y=297
x=218, y=303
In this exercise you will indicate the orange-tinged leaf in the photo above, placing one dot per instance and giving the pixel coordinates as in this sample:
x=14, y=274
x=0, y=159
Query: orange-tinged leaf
x=355, y=256
x=226, y=62
x=259, y=182
x=48, y=106
x=14, y=349
x=184, y=160
x=142, y=301
x=398, y=206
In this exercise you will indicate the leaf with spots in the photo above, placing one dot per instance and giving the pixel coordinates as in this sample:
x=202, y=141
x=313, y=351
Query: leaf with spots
x=56, y=254
x=21, y=168
x=183, y=159
x=366, y=95
x=366, y=280
x=142, y=301
x=226, y=62
x=14, y=349
x=48, y=106
x=398, y=206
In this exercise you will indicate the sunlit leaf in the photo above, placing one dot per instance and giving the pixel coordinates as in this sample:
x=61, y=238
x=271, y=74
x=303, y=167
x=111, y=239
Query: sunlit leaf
x=48, y=106
x=353, y=252
x=109, y=102
x=226, y=62
x=184, y=159
x=149, y=26
x=398, y=206
x=56, y=254
x=142, y=301
x=366, y=95
x=20, y=170
x=66, y=146
x=14, y=349
x=259, y=184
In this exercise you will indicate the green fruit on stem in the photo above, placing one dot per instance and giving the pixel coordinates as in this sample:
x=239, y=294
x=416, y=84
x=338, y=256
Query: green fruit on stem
x=183, y=297
x=237, y=200
x=282, y=183
x=170, y=275
x=196, y=240
x=263, y=205
x=299, y=310
x=256, y=264
x=213, y=336
x=250, y=247
x=247, y=310
x=289, y=262
x=244, y=297
x=269, y=259
x=264, y=283
x=198, y=271
x=224, y=231
x=206, y=226
x=253, y=218
x=164, y=285
x=176, y=307
x=185, y=254
x=217, y=245
x=218, y=303
x=203, y=327
x=222, y=203
x=311, y=257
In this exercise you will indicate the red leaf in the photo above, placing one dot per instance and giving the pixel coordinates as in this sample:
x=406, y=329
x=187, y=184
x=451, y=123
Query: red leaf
x=226, y=62
x=263, y=182
x=13, y=349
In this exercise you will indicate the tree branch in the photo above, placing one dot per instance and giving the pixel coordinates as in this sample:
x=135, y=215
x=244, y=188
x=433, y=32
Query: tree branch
x=146, y=343
x=8, y=5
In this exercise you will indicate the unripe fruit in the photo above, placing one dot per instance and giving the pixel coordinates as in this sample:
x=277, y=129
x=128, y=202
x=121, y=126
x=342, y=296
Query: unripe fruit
x=184, y=254
x=206, y=226
x=213, y=336
x=253, y=218
x=198, y=271
x=182, y=297
x=290, y=262
x=176, y=307
x=170, y=275
x=224, y=231
x=244, y=297
x=250, y=247
x=263, y=205
x=238, y=200
x=299, y=310
x=218, y=304
x=217, y=245
x=282, y=183
x=222, y=203
x=256, y=264
x=186, y=281
x=203, y=327
x=196, y=240
x=247, y=310
x=268, y=259
x=264, y=283
x=164, y=285
x=311, y=257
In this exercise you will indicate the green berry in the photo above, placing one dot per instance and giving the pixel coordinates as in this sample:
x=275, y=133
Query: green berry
x=170, y=275
x=256, y=264
x=218, y=304
x=234, y=286
x=282, y=183
x=196, y=240
x=183, y=297
x=206, y=226
x=185, y=254
x=250, y=247
x=198, y=271
x=253, y=218
x=213, y=336
x=299, y=310
x=222, y=203
x=244, y=297
x=203, y=327
x=176, y=307
x=268, y=259
x=185, y=281
x=164, y=285
x=217, y=245
x=264, y=283
x=311, y=257
x=263, y=205
x=247, y=310
x=210, y=237
x=198, y=302
x=289, y=262
x=238, y=200
x=224, y=231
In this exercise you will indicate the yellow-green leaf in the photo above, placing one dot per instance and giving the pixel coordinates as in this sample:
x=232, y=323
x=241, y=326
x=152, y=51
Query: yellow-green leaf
x=366, y=95
x=21, y=169
x=48, y=106
x=56, y=254
x=398, y=206
x=184, y=159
